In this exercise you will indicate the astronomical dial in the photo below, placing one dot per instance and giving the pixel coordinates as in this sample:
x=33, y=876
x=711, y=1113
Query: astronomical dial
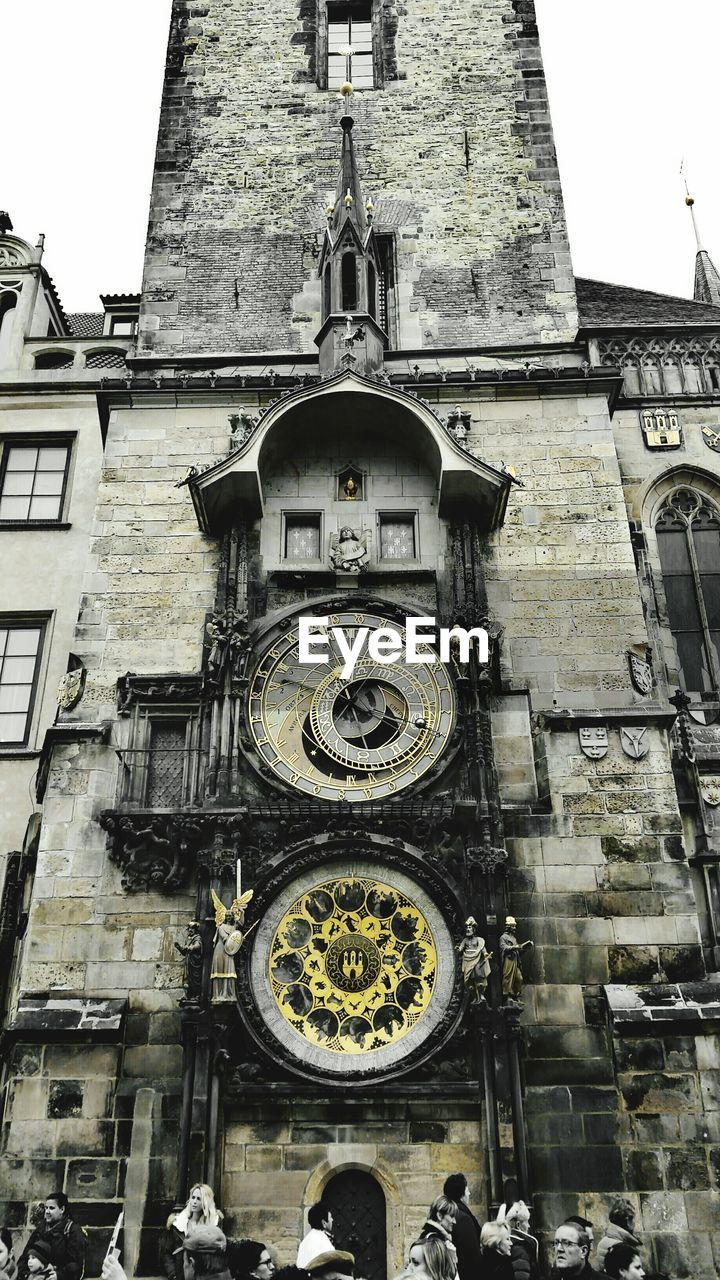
x=358, y=738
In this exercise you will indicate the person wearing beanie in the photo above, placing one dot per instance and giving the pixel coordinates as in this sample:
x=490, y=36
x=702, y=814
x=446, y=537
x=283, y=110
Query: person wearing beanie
x=466, y=1230
x=38, y=1261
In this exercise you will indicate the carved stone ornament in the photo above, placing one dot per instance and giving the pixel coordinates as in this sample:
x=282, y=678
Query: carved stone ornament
x=71, y=689
x=10, y=257
x=711, y=438
x=349, y=550
x=710, y=789
x=640, y=673
x=635, y=742
x=593, y=741
x=661, y=429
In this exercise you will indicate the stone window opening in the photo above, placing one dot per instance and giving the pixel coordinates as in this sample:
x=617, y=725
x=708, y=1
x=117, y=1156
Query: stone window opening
x=8, y=305
x=387, y=287
x=350, y=28
x=33, y=480
x=162, y=766
x=398, y=535
x=688, y=540
x=301, y=539
x=349, y=282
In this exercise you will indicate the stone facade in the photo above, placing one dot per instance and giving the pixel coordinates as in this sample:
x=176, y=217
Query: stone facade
x=570, y=791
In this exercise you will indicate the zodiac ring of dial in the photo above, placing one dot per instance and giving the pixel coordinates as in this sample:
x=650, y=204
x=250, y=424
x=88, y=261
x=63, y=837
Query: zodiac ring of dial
x=356, y=739
x=353, y=983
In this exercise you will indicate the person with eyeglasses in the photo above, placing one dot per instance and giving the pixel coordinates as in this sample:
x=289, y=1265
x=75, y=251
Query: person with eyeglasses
x=571, y=1248
x=250, y=1260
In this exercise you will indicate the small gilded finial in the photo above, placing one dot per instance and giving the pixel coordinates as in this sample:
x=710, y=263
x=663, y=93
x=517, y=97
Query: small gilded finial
x=369, y=208
x=347, y=199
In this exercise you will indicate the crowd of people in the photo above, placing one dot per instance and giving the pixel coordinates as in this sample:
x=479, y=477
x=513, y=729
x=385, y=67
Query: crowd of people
x=451, y=1245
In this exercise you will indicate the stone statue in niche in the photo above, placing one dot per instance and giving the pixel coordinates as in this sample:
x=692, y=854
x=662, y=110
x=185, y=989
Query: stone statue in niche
x=510, y=948
x=229, y=642
x=229, y=938
x=349, y=550
x=475, y=962
x=192, y=950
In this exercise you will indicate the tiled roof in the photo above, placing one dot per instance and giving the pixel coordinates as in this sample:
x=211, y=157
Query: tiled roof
x=86, y=324
x=601, y=305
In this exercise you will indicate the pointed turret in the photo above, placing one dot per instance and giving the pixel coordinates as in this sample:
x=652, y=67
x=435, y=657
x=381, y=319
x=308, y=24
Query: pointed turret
x=707, y=278
x=348, y=206
x=349, y=268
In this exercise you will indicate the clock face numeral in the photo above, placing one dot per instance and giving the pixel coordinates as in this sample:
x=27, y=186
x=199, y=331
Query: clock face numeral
x=357, y=739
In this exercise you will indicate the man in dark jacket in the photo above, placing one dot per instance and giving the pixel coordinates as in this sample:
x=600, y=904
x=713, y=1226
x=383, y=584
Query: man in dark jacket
x=466, y=1231
x=65, y=1238
x=571, y=1248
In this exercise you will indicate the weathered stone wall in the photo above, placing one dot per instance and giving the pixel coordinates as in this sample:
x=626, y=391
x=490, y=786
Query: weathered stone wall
x=248, y=155
x=279, y=1159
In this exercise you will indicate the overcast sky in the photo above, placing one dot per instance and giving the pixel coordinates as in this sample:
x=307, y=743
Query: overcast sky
x=632, y=90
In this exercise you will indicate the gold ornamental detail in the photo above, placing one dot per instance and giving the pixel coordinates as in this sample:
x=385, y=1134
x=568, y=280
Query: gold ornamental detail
x=352, y=965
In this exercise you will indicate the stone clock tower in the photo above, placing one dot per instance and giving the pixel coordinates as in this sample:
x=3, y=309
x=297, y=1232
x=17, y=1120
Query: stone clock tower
x=281, y=910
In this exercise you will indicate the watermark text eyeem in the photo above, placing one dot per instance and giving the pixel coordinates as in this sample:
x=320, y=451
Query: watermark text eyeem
x=410, y=645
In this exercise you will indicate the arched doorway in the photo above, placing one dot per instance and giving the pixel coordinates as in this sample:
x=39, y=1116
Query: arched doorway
x=357, y=1202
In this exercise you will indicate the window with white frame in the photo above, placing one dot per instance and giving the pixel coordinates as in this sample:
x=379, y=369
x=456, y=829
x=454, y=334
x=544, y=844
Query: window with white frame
x=350, y=47
x=20, y=647
x=33, y=476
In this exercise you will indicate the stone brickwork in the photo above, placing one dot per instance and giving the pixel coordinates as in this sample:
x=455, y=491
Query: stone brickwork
x=456, y=149
x=279, y=1160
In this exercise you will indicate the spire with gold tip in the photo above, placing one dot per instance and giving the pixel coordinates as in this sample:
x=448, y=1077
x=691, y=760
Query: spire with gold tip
x=707, y=278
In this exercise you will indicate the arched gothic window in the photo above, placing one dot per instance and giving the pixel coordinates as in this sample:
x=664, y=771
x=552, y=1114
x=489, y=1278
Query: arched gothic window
x=688, y=534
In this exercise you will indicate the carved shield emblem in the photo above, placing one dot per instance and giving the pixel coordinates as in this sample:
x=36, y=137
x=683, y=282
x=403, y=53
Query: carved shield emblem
x=70, y=689
x=593, y=741
x=635, y=743
x=233, y=942
x=710, y=789
x=711, y=438
x=640, y=673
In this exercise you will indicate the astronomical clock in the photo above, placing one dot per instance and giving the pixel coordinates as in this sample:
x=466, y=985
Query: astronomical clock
x=353, y=968
x=361, y=739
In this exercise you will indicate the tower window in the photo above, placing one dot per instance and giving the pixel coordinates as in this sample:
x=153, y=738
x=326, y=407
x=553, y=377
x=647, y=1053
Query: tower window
x=350, y=27
x=349, y=282
x=688, y=534
x=386, y=291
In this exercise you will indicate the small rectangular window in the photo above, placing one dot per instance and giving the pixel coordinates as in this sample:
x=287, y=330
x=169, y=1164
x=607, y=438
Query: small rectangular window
x=123, y=326
x=301, y=537
x=398, y=539
x=166, y=763
x=350, y=29
x=32, y=480
x=19, y=661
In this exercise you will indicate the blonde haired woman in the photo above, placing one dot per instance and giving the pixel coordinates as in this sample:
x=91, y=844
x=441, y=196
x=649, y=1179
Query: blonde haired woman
x=200, y=1210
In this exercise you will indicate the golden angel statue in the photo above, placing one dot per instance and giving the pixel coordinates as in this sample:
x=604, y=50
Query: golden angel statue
x=228, y=941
